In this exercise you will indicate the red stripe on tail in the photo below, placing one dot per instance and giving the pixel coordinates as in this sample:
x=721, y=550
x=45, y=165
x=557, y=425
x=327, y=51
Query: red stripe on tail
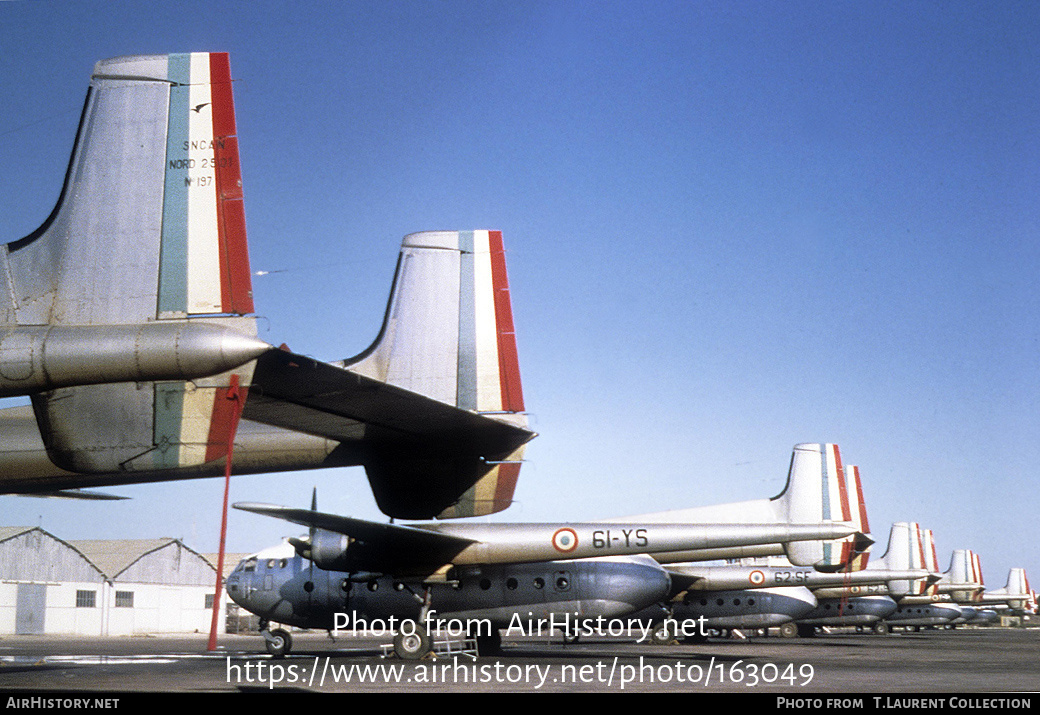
x=864, y=527
x=227, y=406
x=507, y=478
x=236, y=289
x=508, y=362
x=846, y=513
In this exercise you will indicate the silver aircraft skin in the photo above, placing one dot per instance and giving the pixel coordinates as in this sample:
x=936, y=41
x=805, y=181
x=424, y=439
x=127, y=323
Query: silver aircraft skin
x=129, y=322
x=489, y=572
x=426, y=556
x=757, y=594
x=281, y=586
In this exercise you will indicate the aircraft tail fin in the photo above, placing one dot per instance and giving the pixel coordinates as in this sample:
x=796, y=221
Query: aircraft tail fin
x=904, y=553
x=817, y=491
x=964, y=569
x=448, y=334
x=149, y=229
x=150, y=222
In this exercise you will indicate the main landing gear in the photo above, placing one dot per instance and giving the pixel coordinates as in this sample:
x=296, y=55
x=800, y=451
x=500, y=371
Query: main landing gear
x=412, y=642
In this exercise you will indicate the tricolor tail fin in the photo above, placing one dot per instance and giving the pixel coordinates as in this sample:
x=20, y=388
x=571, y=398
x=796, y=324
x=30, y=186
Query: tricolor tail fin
x=448, y=334
x=904, y=553
x=817, y=491
x=149, y=223
x=964, y=569
x=149, y=229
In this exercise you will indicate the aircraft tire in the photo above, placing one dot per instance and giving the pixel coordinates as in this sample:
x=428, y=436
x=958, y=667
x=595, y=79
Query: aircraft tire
x=661, y=635
x=789, y=630
x=413, y=645
x=880, y=628
x=279, y=643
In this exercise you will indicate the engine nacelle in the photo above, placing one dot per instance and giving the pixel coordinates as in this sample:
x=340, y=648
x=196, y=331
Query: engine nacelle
x=329, y=550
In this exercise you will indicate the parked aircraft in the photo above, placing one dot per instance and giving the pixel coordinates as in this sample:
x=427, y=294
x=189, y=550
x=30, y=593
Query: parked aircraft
x=1016, y=595
x=815, y=491
x=439, y=559
x=280, y=586
x=128, y=323
x=762, y=593
x=871, y=595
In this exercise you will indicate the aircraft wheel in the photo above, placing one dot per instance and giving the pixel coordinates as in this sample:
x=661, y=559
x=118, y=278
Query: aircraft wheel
x=789, y=630
x=661, y=635
x=413, y=644
x=880, y=628
x=278, y=643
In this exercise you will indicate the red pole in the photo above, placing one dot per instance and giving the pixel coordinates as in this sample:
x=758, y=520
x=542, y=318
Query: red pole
x=236, y=412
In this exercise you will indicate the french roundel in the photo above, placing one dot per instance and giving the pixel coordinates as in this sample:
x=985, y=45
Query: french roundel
x=757, y=578
x=565, y=540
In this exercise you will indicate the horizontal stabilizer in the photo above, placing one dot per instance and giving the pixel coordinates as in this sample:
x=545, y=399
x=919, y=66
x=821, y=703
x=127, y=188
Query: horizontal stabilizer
x=420, y=454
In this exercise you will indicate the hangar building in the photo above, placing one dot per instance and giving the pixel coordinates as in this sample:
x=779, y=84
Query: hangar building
x=109, y=587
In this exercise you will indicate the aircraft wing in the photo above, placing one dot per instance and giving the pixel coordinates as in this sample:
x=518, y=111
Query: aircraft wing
x=371, y=532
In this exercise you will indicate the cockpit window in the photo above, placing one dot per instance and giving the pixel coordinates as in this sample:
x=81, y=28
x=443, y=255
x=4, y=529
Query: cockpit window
x=248, y=565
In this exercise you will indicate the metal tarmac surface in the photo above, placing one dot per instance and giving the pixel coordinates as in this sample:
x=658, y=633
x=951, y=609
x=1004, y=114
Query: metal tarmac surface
x=960, y=661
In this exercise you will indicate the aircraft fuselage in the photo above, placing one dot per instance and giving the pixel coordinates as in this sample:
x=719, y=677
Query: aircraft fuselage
x=280, y=586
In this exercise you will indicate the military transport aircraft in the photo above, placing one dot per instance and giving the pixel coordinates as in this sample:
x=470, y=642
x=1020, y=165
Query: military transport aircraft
x=127, y=321
x=497, y=571
x=771, y=591
x=872, y=594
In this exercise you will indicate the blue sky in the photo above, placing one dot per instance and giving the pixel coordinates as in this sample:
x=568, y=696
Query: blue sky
x=731, y=227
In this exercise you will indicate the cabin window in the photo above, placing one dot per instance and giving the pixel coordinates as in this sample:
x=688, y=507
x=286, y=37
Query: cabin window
x=511, y=584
